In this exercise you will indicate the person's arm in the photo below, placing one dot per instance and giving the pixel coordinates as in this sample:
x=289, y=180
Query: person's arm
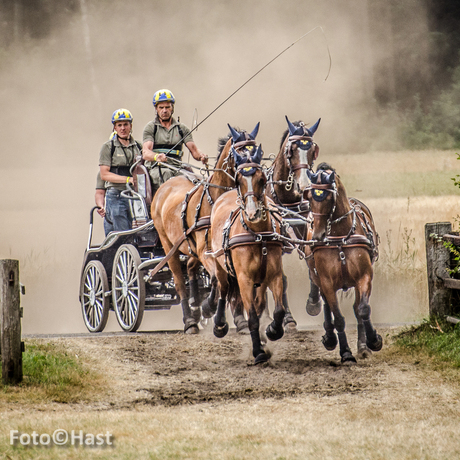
x=196, y=152
x=112, y=177
x=99, y=198
x=149, y=155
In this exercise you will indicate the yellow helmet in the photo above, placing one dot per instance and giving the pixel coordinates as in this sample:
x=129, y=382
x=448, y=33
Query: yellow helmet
x=163, y=95
x=122, y=115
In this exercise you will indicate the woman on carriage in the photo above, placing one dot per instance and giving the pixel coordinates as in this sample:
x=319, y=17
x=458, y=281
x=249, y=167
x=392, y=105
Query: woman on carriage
x=163, y=139
x=115, y=160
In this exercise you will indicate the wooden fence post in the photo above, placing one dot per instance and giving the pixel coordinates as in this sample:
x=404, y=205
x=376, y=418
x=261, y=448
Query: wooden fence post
x=10, y=322
x=437, y=260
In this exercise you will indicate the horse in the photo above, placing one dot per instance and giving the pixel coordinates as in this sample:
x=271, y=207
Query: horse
x=342, y=256
x=181, y=211
x=248, y=253
x=287, y=181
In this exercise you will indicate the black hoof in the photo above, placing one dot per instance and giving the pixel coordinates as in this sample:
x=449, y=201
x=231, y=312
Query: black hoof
x=348, y=358
x=329, y=341
x=377, y=344
x=207, y=310
x=313, y=308
x=220, y=331
x=274, y=334
x=261, y=358
x=196, y=313
x=364, y=351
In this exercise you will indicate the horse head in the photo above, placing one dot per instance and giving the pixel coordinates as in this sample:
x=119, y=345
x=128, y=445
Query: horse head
x=301, y=152
x=250, y=180
x=322, y=195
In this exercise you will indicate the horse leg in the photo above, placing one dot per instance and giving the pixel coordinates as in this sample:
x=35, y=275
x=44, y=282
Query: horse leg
x=313, y=306
x=373, y=340
x=363, y=350
x=275, y=329
x=260, y=356
x=190, y=324
x=194, y=295
x=209, y=305
x=220, y=323
x=289, y=322
x=330, y=298
x=329, y=339
x=238, y=316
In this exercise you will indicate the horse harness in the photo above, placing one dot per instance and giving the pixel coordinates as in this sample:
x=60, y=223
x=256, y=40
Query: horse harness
x=368, y=241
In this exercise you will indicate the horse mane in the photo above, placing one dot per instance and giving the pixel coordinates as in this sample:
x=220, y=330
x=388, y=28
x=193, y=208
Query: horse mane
x=286, y=132
x=324, y=167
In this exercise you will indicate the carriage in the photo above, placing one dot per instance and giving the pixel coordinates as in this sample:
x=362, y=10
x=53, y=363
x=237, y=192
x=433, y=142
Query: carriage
x=115, y=274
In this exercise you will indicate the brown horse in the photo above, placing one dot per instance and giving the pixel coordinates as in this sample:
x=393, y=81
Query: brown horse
x=248, y=253
x=287, y=181
x=181, y=210
x=345, y=248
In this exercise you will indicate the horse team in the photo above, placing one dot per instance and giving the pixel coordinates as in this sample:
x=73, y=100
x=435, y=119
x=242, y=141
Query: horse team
x=240, y=221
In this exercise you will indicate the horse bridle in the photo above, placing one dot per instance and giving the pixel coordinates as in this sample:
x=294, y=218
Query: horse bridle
x=242, y=198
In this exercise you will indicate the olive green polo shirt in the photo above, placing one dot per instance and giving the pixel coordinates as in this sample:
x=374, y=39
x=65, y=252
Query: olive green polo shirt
x=164, y=135
x=122, y=156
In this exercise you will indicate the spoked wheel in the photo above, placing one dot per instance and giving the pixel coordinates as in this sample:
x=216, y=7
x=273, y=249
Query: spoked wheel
x=128, y=288
x=94, y=303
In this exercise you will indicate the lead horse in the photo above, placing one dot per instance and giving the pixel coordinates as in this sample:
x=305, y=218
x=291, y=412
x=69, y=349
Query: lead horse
x=344, y=250
x=287, y=181
x=248, y=253
x=181, y=210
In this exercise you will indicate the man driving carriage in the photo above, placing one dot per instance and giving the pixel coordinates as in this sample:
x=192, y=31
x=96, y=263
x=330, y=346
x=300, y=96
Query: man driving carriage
x=115, y=160
x=163, y=139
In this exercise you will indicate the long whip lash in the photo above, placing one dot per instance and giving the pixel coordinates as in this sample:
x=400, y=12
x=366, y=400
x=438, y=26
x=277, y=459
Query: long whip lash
x=257, y=73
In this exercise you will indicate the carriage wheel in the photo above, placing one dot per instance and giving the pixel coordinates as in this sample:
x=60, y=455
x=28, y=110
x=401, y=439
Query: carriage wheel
x=94, y=303
x=128, y=288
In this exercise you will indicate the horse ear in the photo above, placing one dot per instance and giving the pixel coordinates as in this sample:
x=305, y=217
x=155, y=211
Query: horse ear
x=292, y=128
x=255, y=131
x=235, y=134
x=311, y=174
x=313, y=128
x=237, y=157
x=257, y=157
x=329, y=179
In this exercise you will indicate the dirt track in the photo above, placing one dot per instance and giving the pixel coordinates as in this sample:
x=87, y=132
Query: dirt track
x=174, y=396
x=172, y=369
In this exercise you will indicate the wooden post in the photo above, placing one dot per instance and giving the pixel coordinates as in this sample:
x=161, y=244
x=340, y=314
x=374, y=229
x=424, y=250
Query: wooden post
x=437, y=260
x=10, y=318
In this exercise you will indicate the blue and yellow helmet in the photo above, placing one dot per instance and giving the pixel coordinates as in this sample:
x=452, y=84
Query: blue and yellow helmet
x=122, y=115
x=163, y=95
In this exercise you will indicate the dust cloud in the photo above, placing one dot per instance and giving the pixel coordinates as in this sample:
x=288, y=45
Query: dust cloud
x=58, y=93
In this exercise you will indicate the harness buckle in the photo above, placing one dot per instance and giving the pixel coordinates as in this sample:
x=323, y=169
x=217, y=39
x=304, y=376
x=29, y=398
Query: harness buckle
x=264, y=251
x=342, y=257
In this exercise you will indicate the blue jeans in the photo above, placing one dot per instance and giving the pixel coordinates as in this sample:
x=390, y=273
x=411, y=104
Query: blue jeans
x=118, y=211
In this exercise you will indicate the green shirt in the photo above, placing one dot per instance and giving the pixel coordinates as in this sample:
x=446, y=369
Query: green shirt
x=100, y=184
x=154, y=131
x=122, y=156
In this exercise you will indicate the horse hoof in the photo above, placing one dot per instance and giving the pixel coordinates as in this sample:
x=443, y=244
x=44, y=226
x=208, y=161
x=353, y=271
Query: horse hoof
x=261, y=358
x=289, y=323
x=329, y=341
x=242, y=326
x=377, y=344
x=192, y=329
x=196, y=313
x=220, y=331
x=206, y=309
x=274, y=334
x=364, y=352
x=348, y=358
x=313, y=308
